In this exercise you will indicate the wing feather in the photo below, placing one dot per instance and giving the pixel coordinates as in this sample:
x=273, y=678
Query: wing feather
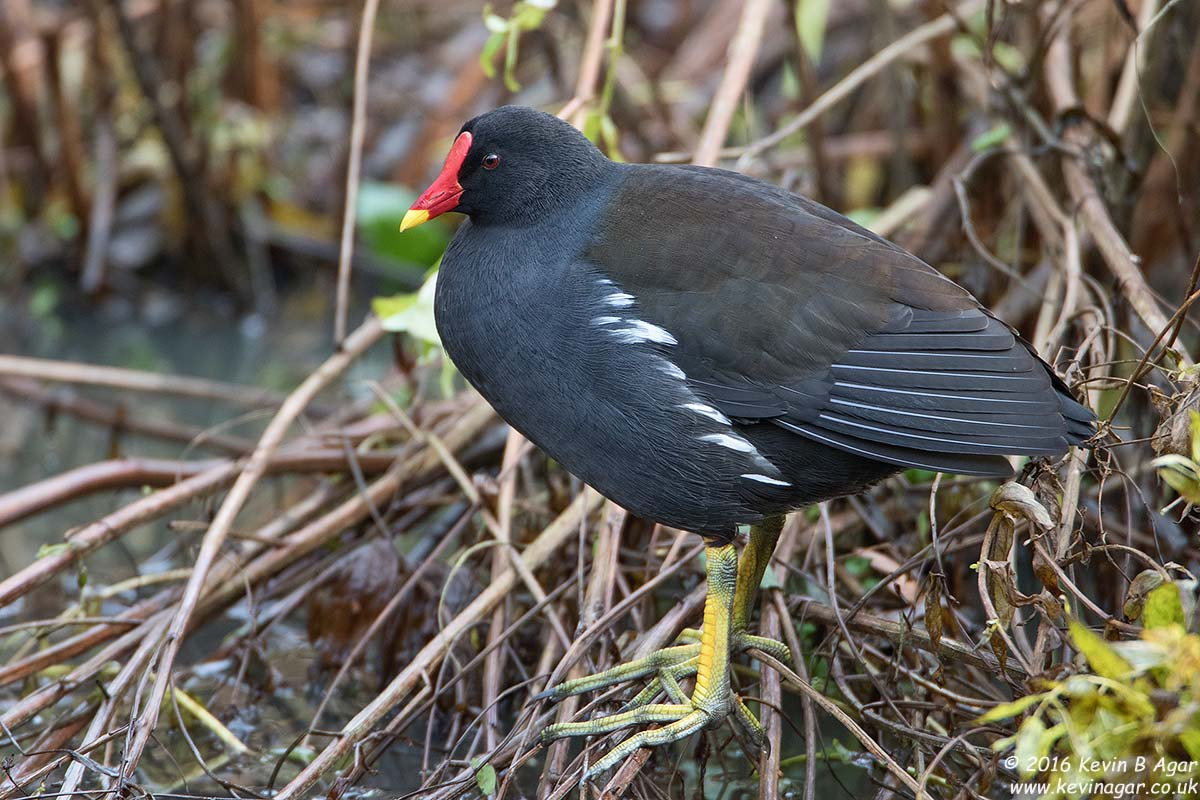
x=879, y=355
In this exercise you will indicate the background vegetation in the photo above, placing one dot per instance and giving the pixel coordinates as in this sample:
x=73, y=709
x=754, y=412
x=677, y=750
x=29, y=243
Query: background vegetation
x=250, y=545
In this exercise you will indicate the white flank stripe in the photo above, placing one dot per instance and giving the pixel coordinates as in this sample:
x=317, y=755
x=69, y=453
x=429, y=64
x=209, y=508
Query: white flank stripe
x=619, y=299
x=671, y=369
x=642, y=331
x=707, y=411
x=732, y=442
x=605, y=320
x=763, y=479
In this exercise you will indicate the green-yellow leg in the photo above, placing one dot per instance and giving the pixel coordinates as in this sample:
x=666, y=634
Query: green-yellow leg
x=712, y=697
x=667, y=665
x=680, y=660
x=732, y=589
x=756, y=557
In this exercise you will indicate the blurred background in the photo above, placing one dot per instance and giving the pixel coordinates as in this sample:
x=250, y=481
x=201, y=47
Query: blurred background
x=176, y=195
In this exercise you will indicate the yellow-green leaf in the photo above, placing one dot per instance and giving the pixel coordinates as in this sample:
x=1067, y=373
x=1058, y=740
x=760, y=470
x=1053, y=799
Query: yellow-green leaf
x=1163, y=607
x=993, y=137
x=1029, y=740
x=55, y=549
x=1135, y=596
x=1103, y=660
x=1194, y=416
x=1190, y=739
x=488, y=55
x=410, y=313
x=485, y=776
x=1181, y=474
x=811, y=19
x=1007, y=710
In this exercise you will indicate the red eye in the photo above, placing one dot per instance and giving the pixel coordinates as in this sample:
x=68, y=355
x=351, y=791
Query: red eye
x=491, y=161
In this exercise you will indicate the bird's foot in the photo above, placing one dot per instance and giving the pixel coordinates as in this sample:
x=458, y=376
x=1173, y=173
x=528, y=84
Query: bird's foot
x=678, y=721
x=680, y=718
x=667, y=666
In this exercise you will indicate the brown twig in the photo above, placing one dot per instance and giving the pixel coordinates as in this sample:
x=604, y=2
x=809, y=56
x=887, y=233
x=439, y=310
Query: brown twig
x=357, y=343
x=132, y=380
x=860, y=75
x=742, y=52
x=57, y=400
x=358, y=125
x=550, y=540
x=121, y=473
x=1088, y=200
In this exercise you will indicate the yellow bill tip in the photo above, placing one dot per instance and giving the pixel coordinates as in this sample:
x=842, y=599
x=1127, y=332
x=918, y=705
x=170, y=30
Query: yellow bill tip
x=412, y=218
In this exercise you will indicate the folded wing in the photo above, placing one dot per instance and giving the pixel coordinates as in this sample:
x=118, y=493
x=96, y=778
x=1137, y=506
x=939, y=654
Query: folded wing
x=881, y=355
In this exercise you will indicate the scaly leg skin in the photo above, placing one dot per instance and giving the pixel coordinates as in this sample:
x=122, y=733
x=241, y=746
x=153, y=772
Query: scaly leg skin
x=732, y=586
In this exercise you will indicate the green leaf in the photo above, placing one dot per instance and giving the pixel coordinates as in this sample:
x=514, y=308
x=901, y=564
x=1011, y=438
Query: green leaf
x=52, y=549
x=485, y=776
x=1190, y=739
x=1029, y=739
x=770, y=581
x=1135, y=596
x=513, y=44
x=1009, y=710
x=300, y=755
x=43, y=300
x=812, y=17
x=967, y=47
x=994, y=137
x=591, y=126
x=495, y=23
x=1103, y=660
x=528, y=15
x=864, y=217
x=610, y=138
x=1163, y=607
x=410, y=313
x=488, y=55
x=1181, y=474
x=381, y=206
x=1194, y=416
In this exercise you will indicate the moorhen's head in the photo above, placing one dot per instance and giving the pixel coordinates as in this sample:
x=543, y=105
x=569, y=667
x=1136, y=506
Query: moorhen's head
x=514, y=165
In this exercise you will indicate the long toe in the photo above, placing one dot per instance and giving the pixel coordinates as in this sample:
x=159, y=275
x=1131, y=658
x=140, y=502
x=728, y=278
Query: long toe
x=680, y=729
x=772, y=647
x=657, y=661
x=654, y=713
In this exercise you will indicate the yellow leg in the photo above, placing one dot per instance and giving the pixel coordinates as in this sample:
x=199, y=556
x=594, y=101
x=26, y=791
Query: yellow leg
x=728, y=606
x=712, y=670
x=712, y=698
x=756, y=557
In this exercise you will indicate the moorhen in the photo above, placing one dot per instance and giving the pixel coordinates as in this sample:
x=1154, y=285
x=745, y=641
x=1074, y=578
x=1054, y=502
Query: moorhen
x=708, y=350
